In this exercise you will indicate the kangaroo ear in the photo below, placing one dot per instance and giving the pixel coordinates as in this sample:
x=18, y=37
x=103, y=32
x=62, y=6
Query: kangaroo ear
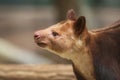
x=71, y=14
x=80, y=26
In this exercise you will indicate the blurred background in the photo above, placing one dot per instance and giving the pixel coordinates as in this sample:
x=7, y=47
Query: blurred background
x=19, y=19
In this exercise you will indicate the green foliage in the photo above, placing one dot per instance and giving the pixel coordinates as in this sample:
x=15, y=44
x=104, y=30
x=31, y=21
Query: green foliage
x=26, y=2
x=103, y=3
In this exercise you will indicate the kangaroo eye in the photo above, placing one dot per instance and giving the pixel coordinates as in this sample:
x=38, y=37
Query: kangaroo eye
x=55, y=33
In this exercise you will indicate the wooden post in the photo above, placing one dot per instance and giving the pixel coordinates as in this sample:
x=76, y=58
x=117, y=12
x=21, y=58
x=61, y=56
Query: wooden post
x=36, y=72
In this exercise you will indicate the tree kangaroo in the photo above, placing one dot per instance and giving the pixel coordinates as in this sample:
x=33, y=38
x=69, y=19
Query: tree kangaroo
x=95, y=54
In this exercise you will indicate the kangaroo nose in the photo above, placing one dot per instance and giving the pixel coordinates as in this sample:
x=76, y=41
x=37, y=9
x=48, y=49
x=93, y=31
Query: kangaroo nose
x=36, y=35
x=39, y=35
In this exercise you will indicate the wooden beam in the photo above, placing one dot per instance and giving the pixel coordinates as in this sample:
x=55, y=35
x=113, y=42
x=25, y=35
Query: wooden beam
x=36, y=72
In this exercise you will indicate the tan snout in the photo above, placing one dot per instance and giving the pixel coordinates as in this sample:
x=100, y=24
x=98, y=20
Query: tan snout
x=38, y=35
x=39, y=38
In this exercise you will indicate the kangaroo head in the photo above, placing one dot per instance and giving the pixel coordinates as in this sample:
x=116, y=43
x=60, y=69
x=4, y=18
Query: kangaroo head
x=63, y=37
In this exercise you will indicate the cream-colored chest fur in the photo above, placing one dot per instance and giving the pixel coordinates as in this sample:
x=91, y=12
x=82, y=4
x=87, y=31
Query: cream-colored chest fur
x=82, y=60
x=84, y=64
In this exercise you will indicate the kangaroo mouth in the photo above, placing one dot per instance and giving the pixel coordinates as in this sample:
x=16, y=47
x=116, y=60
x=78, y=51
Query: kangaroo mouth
x=41, y=44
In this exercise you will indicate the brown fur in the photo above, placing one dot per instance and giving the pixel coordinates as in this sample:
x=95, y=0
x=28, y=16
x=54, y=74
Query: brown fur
x=105, y=47
x=95, y=54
